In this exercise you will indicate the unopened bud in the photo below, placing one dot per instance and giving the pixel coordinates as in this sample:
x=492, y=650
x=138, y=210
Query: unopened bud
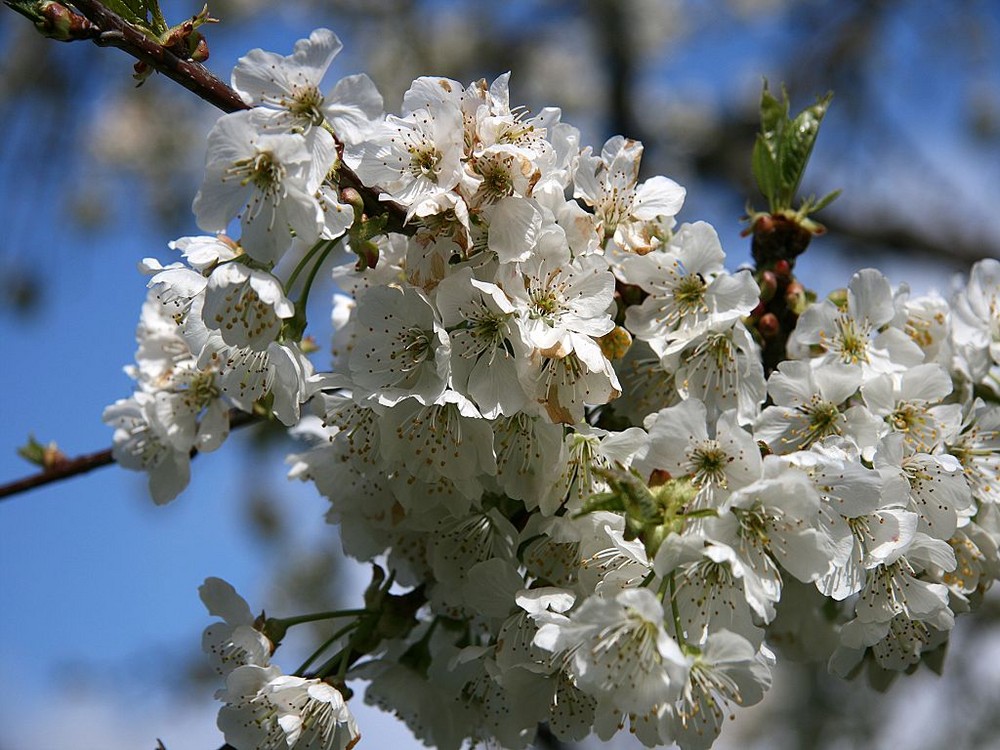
x=142, y=71
x=659, y=477
x=768, y=284
x=200, y=52
x=778, y=237
x=769, y=326
x=783, y=269
x=177, y=36
x=839, y=298
x=763, y=224
x=367, y=252
x=796, y=298
x=353, y=198
x=616, y=343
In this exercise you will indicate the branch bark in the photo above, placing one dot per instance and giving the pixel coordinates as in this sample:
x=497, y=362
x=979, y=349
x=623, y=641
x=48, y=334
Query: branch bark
x=118, y=33
x=64, y=469
x=72, y=467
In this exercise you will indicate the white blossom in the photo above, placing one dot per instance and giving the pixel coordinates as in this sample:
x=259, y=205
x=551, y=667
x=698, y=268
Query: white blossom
x=268, y=180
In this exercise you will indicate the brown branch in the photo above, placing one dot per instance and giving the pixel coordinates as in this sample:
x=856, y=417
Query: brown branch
x=114, y=31
x=71, y=467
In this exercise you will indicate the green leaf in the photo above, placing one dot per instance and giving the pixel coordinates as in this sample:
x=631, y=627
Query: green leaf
x=773, y=116
x=32, y=451
x=133, y=11
x=765, y=170
x=797, y=143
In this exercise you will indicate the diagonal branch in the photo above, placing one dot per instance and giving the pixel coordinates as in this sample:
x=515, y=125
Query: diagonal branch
x=111, y=30
x=71, y=467
x=115, y=31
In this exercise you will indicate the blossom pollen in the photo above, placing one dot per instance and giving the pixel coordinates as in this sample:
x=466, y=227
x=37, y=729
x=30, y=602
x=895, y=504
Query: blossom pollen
x=707, y=464
x=850, y=342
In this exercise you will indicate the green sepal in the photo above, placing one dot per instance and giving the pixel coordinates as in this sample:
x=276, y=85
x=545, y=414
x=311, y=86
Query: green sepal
x=609, y=501
x=360, y=240
x=638, y=501
x=274, y=628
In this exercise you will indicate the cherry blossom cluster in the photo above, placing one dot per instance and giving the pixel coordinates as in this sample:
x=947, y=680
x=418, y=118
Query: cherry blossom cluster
x=548, y=417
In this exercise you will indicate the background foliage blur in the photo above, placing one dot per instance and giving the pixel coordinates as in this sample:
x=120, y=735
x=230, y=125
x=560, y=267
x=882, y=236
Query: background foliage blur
x=913, y=139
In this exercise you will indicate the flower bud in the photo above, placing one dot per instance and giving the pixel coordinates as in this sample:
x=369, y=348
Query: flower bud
x=796, y=298
x=839, y=298
x=778, y=237
x=353, y=198
x=200, y=51
x=367, y=252
x=768, y=283
x=615, y=344
x=658, y=477
x=769, y=326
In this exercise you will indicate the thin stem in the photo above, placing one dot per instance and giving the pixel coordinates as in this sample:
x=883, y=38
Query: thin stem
x=678, y=628
x=304, y=262
x=315, y=617
x=333, y=662
x=701, y=513
x=312, y=274
x=326, y=644
x=345, y=663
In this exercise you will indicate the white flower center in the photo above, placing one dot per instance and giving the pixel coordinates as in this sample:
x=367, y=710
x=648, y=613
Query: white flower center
x=850, y=340
x=707, y=463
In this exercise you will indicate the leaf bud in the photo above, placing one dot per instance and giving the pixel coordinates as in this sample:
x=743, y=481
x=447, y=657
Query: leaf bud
x=58, y=22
